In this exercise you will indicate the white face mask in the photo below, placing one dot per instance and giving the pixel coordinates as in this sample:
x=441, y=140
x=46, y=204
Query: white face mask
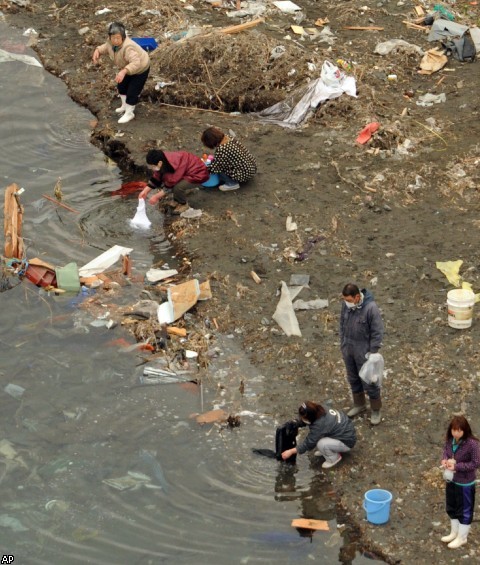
x=349, y=304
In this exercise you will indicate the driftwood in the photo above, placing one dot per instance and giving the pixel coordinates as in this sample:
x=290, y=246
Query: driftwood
x=413, y=25
x=60, y=204
x=241, y=27
x=364, y=28
x=13, y=215
x=230, y=30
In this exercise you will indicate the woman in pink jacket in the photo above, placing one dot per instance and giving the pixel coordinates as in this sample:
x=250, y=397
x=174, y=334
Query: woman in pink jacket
x=173, y=172
x=134, y=64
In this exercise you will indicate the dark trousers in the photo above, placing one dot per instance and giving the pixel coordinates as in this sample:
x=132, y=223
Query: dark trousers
x=181, y=191
x=132, y=86
x=354, y=358
x=460, y=502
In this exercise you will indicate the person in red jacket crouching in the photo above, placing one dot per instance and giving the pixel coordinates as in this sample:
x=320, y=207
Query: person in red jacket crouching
x=173, y=172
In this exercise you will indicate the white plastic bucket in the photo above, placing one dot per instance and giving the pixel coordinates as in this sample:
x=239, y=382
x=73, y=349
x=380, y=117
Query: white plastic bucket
x=460, y=308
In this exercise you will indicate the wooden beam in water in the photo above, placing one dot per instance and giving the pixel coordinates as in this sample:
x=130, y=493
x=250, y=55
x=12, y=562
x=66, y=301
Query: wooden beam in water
x=13, y=217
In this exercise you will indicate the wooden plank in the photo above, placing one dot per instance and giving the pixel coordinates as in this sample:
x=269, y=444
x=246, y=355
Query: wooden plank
x=419, y=10
x=241, y=27
x=13, y=217
x=364, y=28
x=310, y=524
x=412, y=25
x=172, y=330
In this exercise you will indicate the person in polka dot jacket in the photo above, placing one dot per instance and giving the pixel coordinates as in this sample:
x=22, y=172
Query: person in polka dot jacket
x=232, y=162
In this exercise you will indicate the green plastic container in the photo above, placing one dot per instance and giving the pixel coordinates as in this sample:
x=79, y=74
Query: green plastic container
x=67, y=277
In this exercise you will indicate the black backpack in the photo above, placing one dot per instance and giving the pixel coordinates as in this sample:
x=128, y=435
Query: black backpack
x=286, y=438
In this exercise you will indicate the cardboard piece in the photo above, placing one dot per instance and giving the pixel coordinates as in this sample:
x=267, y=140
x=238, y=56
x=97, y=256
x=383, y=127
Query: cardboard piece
x=205, y=291
x=181, y=298
x=40, y=263
x=432, y=61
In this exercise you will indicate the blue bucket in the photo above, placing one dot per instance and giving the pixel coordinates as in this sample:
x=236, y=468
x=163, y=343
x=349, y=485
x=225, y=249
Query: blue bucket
x=213, y=181
x=377, y=505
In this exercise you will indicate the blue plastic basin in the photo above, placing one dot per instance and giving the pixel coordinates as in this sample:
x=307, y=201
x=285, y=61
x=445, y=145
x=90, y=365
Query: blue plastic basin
x=214, y=180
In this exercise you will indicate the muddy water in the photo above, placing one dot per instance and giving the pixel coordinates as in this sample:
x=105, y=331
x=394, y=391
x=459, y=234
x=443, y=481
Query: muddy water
x=81, y=428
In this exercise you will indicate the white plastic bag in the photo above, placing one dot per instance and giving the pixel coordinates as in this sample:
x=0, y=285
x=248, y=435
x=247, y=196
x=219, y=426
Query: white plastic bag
x=140, y=219
x=372, y=370
x=331, y=75
x=447, y=475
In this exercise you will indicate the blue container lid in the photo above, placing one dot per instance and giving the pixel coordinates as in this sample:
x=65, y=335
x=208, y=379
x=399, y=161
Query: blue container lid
x=214, y=180
x=146, y=43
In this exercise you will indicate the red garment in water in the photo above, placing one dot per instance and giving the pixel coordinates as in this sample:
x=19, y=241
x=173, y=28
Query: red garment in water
x=129, y=188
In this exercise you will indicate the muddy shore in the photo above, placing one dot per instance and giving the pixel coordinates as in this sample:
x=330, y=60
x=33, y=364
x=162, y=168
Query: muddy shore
x=386, y=212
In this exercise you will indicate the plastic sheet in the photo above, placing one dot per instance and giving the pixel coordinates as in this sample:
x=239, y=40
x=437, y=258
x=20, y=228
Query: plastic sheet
x=293, y=111
x=285, y=315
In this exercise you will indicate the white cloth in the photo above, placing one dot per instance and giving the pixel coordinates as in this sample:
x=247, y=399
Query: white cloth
x=140, y=219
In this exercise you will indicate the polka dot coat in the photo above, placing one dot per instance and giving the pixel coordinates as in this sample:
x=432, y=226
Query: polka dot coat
x=234, y=160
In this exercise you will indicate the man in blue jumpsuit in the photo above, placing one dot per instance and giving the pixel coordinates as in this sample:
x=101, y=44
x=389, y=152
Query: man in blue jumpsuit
x=361, y=332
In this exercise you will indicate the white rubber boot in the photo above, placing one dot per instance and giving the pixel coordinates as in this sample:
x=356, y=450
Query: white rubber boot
x=128, y=116
x=461, y=538
x=123, y=107
x=453, y=531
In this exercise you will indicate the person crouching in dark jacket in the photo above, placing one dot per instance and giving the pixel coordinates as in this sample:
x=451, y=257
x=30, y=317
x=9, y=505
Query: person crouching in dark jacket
x=330, y=431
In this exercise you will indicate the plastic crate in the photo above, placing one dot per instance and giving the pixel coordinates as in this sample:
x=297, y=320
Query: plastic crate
x=146, y=43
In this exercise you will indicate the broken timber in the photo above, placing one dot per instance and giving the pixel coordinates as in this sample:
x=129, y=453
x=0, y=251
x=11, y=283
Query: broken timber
x=13, y=216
